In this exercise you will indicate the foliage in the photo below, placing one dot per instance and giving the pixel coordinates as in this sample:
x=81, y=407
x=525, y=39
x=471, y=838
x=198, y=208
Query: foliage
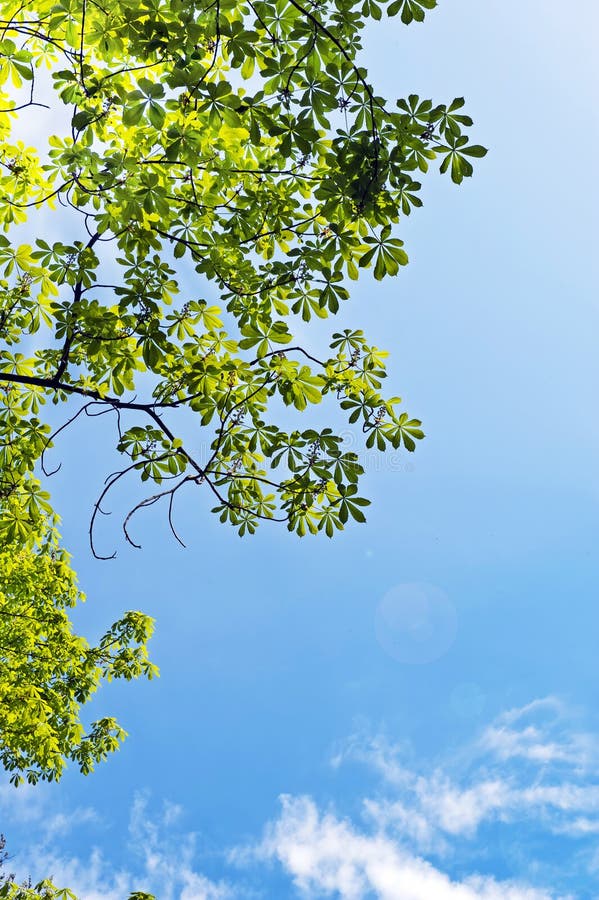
x=46, y=890
x=234, y=154
x=47, y=672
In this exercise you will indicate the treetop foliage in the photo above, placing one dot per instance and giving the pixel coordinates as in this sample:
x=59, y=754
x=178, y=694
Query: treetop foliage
x=229, y=170
x=47, y=672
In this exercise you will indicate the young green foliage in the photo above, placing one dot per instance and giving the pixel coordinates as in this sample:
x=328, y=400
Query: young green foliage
x=211, y=149
x=47, y=672
x=46, y=890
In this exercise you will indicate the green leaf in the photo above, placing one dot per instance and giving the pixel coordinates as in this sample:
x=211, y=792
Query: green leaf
x=132, y=114
x=474, y=150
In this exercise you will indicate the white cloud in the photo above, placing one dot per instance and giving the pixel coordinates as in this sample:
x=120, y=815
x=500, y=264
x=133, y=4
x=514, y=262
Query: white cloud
x=527, y=743
x=527, y=766
x=539, y=732
x=161, y=860
x=91, y=878
x=166, y=874
x=31, y=806
x=420, y=836
x=23, y=804
x=324, y=854
x=435, y=808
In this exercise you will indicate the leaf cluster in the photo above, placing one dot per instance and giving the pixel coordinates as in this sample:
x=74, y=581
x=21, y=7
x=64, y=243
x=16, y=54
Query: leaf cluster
x=47, y=672
x=242, y=143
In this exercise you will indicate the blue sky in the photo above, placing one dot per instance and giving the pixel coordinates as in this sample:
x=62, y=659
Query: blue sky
x=409, y=711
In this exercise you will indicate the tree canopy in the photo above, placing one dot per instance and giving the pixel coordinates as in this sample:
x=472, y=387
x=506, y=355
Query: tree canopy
x=233, y=155
x=215, y=176
x=47, y=672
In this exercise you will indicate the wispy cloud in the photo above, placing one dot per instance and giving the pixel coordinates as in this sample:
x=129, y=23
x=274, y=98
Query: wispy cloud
x=327, y=855
x=161, y=858
x=511, y=815
x=527, y=765
x=428, y=830
x=540, y=732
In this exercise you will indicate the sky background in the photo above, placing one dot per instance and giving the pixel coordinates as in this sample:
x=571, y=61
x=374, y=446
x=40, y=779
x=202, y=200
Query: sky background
x=408, y=711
